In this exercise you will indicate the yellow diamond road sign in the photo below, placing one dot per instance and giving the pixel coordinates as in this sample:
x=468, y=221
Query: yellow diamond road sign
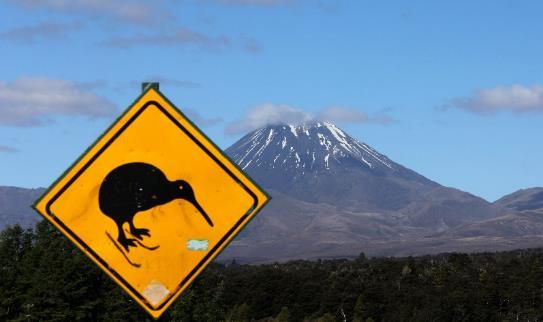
x=152, y=202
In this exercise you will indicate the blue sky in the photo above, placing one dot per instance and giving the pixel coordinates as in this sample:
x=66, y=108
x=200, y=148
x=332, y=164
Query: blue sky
x=452, y=90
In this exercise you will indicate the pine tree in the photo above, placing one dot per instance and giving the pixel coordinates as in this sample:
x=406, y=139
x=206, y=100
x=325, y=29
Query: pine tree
x=327, y=317
x=240, y=313
x=15, y=243
x=283, y=316
x=359, y=312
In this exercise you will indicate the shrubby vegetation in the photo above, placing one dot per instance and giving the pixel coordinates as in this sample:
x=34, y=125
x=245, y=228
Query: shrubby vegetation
x=44, y=278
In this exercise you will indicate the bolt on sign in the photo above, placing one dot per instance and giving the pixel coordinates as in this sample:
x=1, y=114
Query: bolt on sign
x=153, y=201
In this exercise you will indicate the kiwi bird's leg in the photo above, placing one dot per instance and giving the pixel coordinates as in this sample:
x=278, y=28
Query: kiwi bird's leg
x=125, y=242
x=138, y=232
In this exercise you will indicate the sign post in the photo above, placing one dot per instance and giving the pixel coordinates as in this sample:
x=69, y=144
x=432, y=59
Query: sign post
x=153, y=201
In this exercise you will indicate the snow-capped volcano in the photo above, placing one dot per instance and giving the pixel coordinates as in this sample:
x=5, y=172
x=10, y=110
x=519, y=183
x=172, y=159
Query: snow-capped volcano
x=320, y=162
x=305, y=148
x=333, y=194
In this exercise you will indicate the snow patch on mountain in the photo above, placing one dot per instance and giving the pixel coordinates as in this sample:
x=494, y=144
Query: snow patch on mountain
x=305, y=148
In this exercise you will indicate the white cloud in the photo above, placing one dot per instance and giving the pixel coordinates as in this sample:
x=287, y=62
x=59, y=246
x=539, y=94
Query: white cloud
x=273, y=114
x=267, y=114
x=33, y=101
x=341, y=114
x=514, y=98
x=329, y=6
x=166, y=81
x=256, y=2
x=7, y=149
x=134, y=11
x=338, y=114
x=184, y=36
x=199, y=119
x=44, y=30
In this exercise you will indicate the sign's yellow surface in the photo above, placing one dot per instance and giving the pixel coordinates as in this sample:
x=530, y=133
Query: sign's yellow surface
x=148, y=153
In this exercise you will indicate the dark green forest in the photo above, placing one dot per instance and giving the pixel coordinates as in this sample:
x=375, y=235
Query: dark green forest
x=44, y=278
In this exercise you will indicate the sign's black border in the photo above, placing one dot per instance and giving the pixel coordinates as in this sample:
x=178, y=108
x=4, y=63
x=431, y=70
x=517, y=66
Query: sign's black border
x=102, y=149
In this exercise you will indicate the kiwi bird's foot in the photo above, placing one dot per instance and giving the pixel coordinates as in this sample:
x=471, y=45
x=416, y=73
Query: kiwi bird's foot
x=127, y=242
x=139, y=233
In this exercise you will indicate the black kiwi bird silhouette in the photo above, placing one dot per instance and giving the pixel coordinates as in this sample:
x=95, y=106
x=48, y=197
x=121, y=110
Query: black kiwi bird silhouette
x=134, y=187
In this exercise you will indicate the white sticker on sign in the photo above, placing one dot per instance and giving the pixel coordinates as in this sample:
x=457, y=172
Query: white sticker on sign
x=197, y=244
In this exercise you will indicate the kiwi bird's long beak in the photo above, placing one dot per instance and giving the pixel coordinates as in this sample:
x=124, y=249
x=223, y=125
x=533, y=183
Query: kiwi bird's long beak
x=201, y=210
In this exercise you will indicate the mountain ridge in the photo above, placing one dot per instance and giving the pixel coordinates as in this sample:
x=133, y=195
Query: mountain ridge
x=335, y=196
x=15, y=206
x=355, y=198
x=306, y=161
x=523, y=199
